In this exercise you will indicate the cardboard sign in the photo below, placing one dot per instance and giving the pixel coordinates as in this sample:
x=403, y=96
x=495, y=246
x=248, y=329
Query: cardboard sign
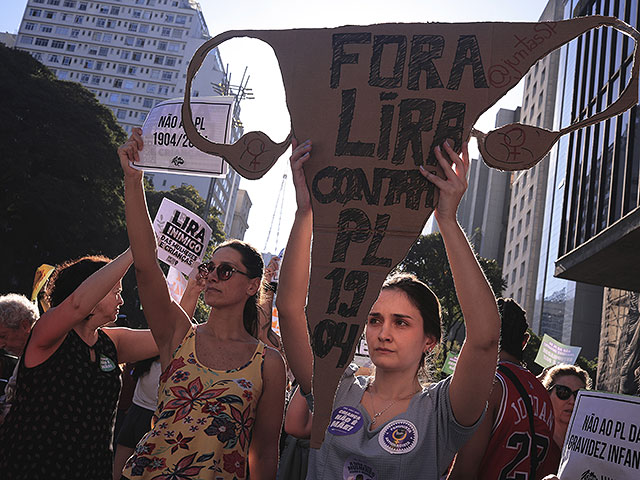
x=182, y=236
x=603, y=438
x=552, y=352
x=166, y=146
x=450, y=363
x=375, y=101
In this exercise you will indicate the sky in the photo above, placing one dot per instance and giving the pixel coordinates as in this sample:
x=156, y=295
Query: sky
x=268, y=113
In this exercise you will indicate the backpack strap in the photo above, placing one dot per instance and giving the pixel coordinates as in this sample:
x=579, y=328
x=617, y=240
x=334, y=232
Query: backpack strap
x=527, y=403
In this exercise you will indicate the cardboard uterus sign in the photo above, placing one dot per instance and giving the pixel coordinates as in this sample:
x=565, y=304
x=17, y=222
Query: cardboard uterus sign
x=376, y=100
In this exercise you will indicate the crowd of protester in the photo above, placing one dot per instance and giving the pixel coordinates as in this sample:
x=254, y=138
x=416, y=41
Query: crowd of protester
x=230, y=399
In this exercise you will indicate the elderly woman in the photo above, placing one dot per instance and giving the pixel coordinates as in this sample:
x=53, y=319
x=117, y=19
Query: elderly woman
x=17, y=316
x=563, y=382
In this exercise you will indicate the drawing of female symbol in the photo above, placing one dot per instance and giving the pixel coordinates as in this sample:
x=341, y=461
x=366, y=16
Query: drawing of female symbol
x=513, y=141
x=254, y=148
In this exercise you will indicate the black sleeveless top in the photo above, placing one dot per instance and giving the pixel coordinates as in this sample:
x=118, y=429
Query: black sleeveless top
x=61, y=423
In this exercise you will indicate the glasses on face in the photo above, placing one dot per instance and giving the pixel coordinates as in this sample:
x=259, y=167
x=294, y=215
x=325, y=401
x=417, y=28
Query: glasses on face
x=563, y=393
x=224, y=271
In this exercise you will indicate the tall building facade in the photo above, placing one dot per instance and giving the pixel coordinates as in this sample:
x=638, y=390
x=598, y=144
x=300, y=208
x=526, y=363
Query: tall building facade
x=600, y=215
x=241, y=215
x=483, y=210
x=528, y=187
x=132, y=54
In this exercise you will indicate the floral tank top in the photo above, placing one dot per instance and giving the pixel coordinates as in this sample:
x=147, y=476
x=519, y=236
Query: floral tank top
x=204, y=419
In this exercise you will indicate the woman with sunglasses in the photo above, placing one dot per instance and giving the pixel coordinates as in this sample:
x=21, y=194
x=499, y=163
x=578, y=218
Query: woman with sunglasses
x=563, y=382
x=405, y=429
x=221, y=394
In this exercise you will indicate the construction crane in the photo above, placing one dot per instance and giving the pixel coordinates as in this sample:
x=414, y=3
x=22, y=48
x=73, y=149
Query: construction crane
x=276, y=210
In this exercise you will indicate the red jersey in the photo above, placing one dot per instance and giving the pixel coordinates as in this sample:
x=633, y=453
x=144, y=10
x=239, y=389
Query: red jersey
x=508, y=454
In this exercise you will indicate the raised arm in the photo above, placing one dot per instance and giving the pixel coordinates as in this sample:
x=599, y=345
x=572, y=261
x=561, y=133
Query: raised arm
x=294, y=277
x=53, y=326
x=167, y=320
x=475, y=370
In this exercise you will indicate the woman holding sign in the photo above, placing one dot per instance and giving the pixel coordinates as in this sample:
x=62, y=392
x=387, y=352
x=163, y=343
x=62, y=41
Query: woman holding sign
x=221, y=395
x=390, y=425
x=61, y=422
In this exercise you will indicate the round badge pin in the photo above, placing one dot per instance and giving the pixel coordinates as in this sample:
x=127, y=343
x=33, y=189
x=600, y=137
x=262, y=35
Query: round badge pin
x=345, y=420
x=398, y=437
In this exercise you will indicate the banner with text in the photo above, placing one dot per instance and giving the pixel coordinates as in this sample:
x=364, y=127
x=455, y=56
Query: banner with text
x=450, y=363
x=603, y=439
x=182, y=236
x=552, y=352
x=166, y=146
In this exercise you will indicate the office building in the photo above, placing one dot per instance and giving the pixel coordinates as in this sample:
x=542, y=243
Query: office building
x=241, y=215
x=132, y=54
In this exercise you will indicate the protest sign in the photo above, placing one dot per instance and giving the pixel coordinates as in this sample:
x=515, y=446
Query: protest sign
x=177, y=284
x=552, y=352
x=43, y=272
x=603, y=438
x=450, y=363
x=182, y=236
x=166, y=146
x=376, y=101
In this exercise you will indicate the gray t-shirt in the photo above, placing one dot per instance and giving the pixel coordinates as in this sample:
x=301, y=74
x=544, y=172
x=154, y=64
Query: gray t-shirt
x=419, y=443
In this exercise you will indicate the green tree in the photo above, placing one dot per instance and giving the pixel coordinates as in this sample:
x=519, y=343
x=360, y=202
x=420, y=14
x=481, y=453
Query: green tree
x=61, y=184
x=427, y=259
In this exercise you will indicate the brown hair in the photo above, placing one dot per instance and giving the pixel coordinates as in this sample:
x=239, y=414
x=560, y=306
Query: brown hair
x=553, y=373
x=252, y=261
x=69, y=275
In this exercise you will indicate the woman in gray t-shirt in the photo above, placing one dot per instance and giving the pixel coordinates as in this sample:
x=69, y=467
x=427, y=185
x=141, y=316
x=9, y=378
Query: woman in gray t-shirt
x=388, y=425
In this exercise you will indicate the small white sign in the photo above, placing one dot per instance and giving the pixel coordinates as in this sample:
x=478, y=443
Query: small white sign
x=166, y=146
x=603, y=438
x=182, y=236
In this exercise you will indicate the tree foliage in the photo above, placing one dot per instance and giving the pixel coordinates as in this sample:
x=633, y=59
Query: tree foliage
x=61, y=186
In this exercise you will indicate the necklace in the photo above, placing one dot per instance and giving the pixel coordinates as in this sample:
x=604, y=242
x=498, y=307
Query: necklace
x=374, y=419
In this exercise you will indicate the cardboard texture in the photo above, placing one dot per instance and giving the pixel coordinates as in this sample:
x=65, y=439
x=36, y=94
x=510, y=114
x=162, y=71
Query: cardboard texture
x=376, y=100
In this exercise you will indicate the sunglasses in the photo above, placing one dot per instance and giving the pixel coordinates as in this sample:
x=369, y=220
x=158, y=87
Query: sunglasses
x=564, y=393
x=224, y=271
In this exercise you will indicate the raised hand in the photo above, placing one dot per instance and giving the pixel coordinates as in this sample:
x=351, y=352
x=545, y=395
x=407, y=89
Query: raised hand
x=453, y=187
x=301, y=153
x=128, y=154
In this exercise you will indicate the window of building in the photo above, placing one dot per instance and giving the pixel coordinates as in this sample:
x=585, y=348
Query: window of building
x=525, y=243
x=531, y=193
x=519, y=298
x=177, y=33
x=103, y=51
x=159, y=60
x=169, y=18
x=144, y=28
x=26, y=39
x=117, y=83
x=129, y=41
x=46, y=28
x=101, y=22
x=88, y=64
x=174, y=47
x=71, y=47
x=30, y=26
x=42, y=42
x=78, y=19
x=114, y=97
x=147, y=103
x=516, y=252
x=133, y=27
x=69, y=4
x=511, y=234
x=97, y=36
x=146, y=15
x=528, y=218
x=82, y=6
x=139, y=42
x=84, y=78
x=35, y=12
x=162, y=46
x=163, y=90
x=136, y=57
x=170, y=61
x=111, y=24
x=136, y=13
x=125, y=99
x=151, y=88
x=516, y=188
x=93, y=50
x=62, y=31
x=519, y=226
x=115, y=10
x=66, y=60
x=521, y=203
x=125, y=54
x=128, y=84
x=522, y=269
x=513, y=276
x=155, y=74
x=121, y=69
x=104, y=9
x=133, y=70
x=121, y=114
x=63, y=74
x=181, y=19
x=513, y=213
x=49, y=15
x=107, y=38
x=508, y=257
x=95, y=80
x=99, y=66
x=54, y=59
x=166, y=76
x=75, y=33
x=166, y=31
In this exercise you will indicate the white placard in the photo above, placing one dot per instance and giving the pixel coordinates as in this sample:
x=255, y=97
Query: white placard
x=182, y=236
x=603, y=438
x=166, y=146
